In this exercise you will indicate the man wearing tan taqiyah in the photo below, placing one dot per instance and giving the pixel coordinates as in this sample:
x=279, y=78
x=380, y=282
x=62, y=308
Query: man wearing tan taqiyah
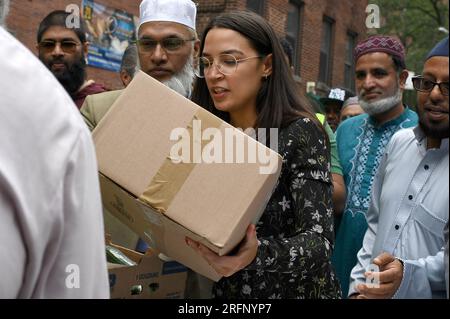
x=167, y=44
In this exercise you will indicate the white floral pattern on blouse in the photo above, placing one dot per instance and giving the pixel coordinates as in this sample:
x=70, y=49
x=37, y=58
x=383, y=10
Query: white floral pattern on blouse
x=296, y=229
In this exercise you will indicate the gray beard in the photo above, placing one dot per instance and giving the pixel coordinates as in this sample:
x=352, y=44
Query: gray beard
x=183, y=80
x=4, y=8
x=381, y=106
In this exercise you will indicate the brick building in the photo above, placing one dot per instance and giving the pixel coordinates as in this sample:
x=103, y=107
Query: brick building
x=323, y=32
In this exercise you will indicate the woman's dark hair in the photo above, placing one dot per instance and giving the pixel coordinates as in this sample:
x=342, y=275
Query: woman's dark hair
x=288, y=50
x=278, y=102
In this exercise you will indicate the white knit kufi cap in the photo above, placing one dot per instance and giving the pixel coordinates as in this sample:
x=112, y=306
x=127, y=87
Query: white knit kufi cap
x=179, y=11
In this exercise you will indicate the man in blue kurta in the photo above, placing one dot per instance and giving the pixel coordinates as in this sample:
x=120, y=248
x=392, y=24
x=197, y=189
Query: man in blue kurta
x=380, y=80
x=409, y=208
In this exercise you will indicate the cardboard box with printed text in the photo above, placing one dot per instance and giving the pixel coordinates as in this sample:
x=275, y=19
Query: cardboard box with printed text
x=150, y=278
x=170, y=169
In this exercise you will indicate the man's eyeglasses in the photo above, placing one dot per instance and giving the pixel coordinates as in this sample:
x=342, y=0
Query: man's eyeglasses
x=425, y=85
x=67, y=46
x=226, y=64
x=170, y=44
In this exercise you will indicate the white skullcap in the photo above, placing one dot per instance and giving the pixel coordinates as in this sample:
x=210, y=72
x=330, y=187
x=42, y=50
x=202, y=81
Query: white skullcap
x=179, y=11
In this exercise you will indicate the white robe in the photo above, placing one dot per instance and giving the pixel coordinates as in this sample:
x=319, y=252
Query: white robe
x=51, y=225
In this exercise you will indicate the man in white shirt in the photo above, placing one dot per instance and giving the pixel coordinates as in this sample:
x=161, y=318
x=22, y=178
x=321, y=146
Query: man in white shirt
x=51, y=226
x=410, y=204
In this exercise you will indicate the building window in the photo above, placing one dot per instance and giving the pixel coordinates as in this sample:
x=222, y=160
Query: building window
x=326, y=51
x=256, y=6
x=349, y=70
x=293, y=31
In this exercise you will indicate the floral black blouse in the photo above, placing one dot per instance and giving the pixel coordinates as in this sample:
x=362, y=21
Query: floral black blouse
x=296, y=229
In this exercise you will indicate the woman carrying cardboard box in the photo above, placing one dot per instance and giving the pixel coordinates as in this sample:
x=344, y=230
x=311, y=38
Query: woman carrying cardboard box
x=244, y=79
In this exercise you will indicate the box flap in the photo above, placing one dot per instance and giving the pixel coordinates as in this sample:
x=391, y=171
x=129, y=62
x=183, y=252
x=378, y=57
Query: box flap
x=144, y=221
x=162, y=234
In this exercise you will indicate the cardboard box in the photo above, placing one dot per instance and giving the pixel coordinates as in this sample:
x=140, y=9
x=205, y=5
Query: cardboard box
x=144, y=184
x=151, y=278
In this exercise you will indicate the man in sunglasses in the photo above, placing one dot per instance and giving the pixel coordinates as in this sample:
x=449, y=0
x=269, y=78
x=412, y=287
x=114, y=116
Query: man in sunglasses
x=63, y=50
x=380, y=80
x=410, y=204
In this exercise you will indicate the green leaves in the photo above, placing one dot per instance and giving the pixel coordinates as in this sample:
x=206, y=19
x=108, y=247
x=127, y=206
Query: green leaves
x=416, y=23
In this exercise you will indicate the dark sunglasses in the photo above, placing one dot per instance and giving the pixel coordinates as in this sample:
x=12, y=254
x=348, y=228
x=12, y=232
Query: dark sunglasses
x=425, y=85
x=169, y=44
x=67, y=46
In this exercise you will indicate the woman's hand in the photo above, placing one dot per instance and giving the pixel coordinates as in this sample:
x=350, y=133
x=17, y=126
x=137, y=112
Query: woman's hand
x=229, y=265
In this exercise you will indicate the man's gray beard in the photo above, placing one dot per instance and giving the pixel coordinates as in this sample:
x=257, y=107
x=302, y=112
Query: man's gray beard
x=183, y=80
x=4, y=8
x=381, y=106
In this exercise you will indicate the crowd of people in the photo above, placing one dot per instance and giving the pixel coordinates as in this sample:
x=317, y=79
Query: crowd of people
x=363, y=190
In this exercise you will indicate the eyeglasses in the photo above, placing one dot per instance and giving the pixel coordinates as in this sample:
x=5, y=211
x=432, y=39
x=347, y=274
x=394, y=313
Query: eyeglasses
x=169, y=44
x=226, y=64
x=424, y=85
x=67, y=46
